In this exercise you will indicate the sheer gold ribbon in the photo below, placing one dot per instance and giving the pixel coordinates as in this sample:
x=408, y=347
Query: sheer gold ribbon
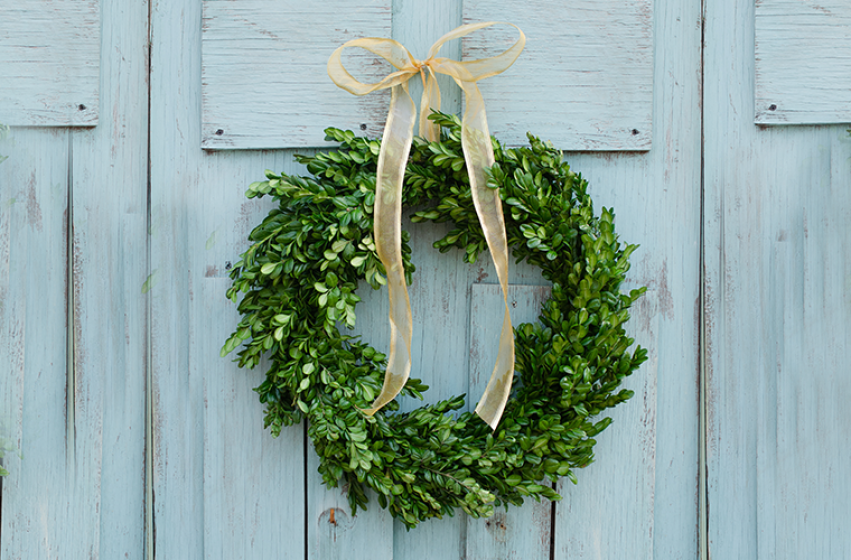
x=392, y=160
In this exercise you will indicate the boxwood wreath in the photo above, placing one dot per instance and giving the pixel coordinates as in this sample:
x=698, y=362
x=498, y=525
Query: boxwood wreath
x=299, y=279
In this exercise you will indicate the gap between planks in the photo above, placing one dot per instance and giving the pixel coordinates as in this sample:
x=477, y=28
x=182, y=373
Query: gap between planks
x=70, y=303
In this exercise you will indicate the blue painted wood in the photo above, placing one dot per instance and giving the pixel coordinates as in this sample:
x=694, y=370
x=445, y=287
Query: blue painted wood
x=585, y=79
x=264, y=78
x=109, y=194
x=333, y=532
x=803, y=62
x=33, y=204
x=76, y=390
x=222, y=487
x=51, y=53
x=776, y=314
x=523, y=532
x=640, y=495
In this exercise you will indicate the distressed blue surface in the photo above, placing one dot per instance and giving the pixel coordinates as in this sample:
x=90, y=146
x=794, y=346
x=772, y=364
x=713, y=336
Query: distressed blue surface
x=113, y=267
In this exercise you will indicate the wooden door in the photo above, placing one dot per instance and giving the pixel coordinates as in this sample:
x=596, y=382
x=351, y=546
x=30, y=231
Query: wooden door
x=222, y=487
x=135, y=128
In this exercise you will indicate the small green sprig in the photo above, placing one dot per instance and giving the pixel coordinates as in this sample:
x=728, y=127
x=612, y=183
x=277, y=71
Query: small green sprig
x=297, y=284
x=5, y=132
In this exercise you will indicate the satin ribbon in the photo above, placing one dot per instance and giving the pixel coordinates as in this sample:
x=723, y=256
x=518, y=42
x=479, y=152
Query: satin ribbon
x=392, y=160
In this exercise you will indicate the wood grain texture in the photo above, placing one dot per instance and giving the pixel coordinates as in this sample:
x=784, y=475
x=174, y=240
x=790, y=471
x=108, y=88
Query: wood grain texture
x=803, y=62
x=264, y=77
x=777, y=313
x=78, y=492
x=51, y=58
x=585, y=79
x=594, y=521
x=223, y=487
x=513, y=533
x=110, y=221
x=36, y=513
x=640, y=494
x=333, y=532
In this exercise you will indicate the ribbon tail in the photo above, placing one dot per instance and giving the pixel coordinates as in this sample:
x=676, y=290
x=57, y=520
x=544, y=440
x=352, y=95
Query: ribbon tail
x=395, y=147
x=478, y=151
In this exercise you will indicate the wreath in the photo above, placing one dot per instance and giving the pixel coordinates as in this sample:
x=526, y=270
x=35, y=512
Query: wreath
x=299, y=279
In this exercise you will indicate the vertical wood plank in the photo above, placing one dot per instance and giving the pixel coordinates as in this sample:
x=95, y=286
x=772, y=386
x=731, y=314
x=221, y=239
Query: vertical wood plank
x=79, y=491
x=515, y=532
x=613, y=508
x=223, y=487
x=777, y=312
x=110, y=214
x=640, y=495
x=37, y=513
x=333, y=532
x=440, y=290
x=253, y=494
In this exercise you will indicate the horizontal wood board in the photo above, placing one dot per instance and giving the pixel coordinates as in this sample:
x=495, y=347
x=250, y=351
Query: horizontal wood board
x=585, y=79
x=803, y=62
x=264, y=77
x=50, y=53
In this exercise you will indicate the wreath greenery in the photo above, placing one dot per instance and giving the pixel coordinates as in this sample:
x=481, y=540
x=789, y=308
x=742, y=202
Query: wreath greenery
x=299, y=279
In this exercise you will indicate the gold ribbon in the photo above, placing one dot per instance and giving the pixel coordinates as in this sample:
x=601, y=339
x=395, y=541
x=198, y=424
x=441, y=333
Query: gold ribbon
x=392, y=160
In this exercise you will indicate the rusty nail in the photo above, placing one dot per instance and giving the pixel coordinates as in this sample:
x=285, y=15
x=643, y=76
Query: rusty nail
x=331, y=518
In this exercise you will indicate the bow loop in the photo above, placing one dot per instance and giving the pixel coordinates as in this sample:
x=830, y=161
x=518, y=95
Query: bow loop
x=392, y=160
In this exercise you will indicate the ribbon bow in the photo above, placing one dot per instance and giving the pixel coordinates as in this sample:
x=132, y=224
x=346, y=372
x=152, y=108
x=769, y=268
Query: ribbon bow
x=392, y=160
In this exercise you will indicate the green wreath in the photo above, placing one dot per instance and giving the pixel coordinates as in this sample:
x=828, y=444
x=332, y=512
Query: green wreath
x=299, y=279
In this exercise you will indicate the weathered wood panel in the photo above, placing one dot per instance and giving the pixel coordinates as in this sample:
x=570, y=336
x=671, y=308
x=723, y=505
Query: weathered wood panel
x=640, y=494
x=803, y=61
x=223, y=488
x=109, y=194
x=264, y=77
x=777, y=311
x=625, y=519
x=78, y=383
x=515, y=533
x=51, y=53
x=36, y=520
x=585, y=79
x=333, y=532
